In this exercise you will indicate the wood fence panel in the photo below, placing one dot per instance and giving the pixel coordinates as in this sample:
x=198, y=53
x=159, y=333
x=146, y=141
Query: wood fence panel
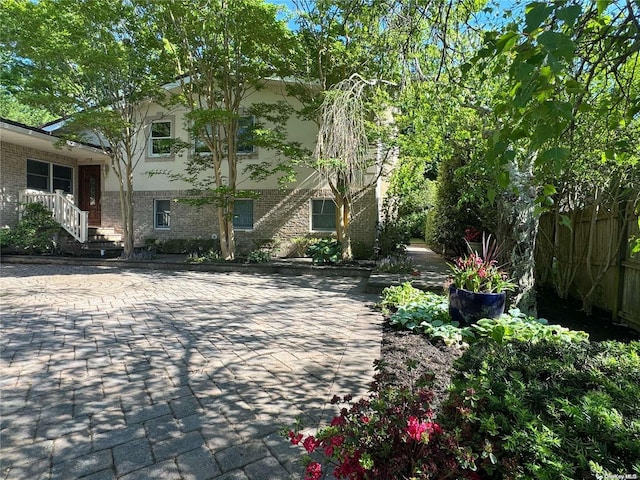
x=630, y=301
x=619, y=289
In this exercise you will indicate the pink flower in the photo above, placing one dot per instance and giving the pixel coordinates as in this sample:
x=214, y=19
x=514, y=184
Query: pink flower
x=310, y=444
x=295, y=439
x=365, y=419
x=415, y=428
x=313, y=471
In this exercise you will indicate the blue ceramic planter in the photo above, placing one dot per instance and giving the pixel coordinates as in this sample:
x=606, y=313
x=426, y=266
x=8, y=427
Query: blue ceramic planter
x=468, y=307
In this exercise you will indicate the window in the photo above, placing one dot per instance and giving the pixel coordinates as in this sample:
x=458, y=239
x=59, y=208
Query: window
x=160, y=140
x=243, y=214
x=244, y=142
x=162, y=214
x=323, y=214
x=49, y=177
x=245, y=134
x=200, y=146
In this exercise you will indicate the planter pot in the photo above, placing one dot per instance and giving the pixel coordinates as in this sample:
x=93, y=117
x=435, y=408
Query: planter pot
x=468, y=307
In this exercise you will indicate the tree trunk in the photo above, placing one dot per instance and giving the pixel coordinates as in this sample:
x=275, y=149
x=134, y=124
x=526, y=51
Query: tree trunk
x=343, y=222
x=518, y=211
x=227, y=241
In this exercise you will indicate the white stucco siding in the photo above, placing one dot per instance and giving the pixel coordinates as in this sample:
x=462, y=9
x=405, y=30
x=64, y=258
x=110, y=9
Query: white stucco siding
x=298, y=131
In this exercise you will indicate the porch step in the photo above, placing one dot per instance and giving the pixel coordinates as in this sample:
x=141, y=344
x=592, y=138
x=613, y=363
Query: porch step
x=102, y=242
x=104, y=234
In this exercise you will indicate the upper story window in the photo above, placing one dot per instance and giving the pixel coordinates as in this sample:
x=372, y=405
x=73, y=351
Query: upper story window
x=243, y=214
x=323, y=215
x=245, y=135
x=160, y=139
x=244, y=139
x=49, y=177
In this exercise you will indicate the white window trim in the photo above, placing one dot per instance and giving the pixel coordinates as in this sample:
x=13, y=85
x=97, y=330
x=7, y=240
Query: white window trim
x=155, y=214
x=50, y=188
x=321, y=230
x=151, y=138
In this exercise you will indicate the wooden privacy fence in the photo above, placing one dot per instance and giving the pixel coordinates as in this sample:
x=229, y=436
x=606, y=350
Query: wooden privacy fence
x=592, y=260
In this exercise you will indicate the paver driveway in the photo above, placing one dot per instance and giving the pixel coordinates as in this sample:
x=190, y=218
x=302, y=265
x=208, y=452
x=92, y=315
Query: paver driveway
x=109, y=373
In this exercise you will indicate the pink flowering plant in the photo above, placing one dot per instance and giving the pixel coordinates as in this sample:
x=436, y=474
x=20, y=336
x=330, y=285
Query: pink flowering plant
x=480, y=273
x=391, y=434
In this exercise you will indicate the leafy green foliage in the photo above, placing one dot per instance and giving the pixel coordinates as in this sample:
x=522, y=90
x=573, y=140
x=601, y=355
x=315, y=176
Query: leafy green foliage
x=259, y=256
x=548, y=409
x=182, y=245
x=211, y=256
x=518, y=326
x=393, y=238
x=13, y=109
x=325, y=250
x=396, y=296
x=427, y=313
x=34, y=233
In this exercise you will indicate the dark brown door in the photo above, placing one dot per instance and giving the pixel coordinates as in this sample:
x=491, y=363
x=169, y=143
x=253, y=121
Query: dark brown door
x=89, y=192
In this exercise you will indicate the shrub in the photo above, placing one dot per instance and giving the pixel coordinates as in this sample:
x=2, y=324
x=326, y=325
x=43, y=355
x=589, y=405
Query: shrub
x=212, y=256
x=34, y=233
x=390, y=435
x=325, y=250
x=392, y=239
x=183, y=245
x=550, y=410
x=259, y=256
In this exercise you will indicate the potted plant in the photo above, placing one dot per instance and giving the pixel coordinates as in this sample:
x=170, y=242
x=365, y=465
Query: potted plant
x=479, y=286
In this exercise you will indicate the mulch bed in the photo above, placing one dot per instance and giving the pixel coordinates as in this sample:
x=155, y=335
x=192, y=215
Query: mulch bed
x=406, y=356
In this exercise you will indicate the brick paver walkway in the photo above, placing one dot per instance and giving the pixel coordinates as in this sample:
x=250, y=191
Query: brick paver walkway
x=109, y=373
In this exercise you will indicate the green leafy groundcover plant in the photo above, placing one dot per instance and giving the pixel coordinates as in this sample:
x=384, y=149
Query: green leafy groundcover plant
x=428, y=313
x=325, y=250
x=549, y=410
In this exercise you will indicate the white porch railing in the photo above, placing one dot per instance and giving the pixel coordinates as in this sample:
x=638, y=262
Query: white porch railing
x=72, y=219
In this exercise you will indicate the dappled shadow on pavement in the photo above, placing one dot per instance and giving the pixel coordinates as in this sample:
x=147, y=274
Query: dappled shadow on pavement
x=187, y=375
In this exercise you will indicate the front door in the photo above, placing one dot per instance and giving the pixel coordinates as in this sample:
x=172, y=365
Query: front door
x=89, y=192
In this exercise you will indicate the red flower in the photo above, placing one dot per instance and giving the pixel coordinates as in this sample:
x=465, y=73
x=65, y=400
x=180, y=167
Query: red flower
x=295, y=439
x=338, y=421
x=310, y=444
x=313, y=471
x=416, y=429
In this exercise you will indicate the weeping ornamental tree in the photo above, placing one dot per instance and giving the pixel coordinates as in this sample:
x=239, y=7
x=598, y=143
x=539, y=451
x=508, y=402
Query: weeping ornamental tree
x=344, y=154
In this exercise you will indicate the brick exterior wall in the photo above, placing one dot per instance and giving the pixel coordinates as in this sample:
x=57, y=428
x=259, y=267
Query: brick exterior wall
x=13, y=176
x=281, y=215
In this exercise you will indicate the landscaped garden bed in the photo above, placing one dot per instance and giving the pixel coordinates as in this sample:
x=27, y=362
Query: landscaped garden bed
x=513, y=397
